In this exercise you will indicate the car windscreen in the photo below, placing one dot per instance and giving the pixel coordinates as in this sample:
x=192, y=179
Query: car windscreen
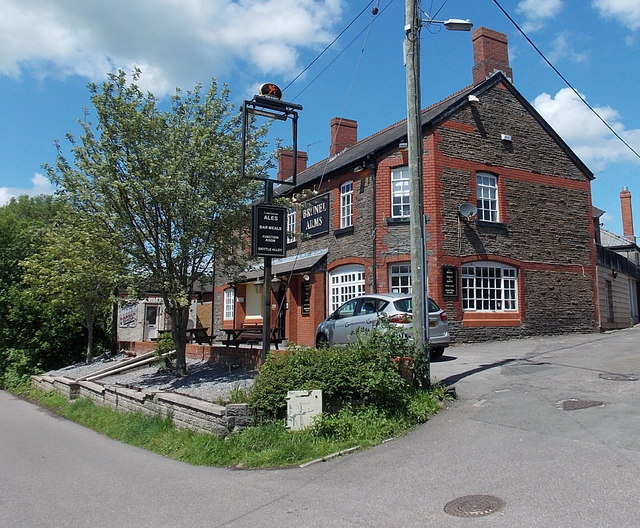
x=433, y=307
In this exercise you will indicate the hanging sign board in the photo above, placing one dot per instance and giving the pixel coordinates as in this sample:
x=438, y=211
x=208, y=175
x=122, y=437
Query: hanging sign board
x=315, y=216
x=449, y=281
x=268, y=231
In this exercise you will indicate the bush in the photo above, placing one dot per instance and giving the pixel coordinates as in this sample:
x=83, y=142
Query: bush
x=164, y=345
x=16, y=366
x=362, y=374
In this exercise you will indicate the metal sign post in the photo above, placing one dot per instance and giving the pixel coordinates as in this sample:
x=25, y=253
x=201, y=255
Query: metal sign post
x=269, y=229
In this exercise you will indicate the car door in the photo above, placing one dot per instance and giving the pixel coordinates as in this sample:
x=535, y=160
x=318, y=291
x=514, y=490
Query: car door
x=364, y=316
x=344, y=317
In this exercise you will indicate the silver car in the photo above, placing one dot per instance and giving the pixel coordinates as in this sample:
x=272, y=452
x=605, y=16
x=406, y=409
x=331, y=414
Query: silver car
x=364, y=312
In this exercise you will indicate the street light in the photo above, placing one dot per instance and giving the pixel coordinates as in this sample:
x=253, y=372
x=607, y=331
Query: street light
x=417, y=220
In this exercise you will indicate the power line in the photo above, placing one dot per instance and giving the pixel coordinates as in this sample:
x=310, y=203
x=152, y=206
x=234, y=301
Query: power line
x=366, y=29
x=566, y=81
x=329, y=45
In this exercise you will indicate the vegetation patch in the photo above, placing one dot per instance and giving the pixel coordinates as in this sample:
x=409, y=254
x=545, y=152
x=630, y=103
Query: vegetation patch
x=366, y=402
x=268, y=445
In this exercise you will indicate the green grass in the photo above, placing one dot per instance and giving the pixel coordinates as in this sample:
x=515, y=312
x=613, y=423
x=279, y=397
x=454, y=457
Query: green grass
x=269, y=444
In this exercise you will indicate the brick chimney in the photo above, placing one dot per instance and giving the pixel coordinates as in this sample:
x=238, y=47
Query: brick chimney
x=285, y=163
x=490, y=54
x=344, y=134
x=627, y=214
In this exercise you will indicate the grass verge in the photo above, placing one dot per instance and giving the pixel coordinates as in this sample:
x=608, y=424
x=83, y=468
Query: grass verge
x=267, y=445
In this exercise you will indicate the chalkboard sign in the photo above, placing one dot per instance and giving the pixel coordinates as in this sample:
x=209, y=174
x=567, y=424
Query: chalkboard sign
x=449, y=281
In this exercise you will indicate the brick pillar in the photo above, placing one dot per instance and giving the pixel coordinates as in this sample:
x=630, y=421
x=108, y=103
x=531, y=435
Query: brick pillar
x=627, y=215
x=344, y=134
x=490, y=54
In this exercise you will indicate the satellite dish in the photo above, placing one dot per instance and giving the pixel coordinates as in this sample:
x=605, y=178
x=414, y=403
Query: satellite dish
x=467, y=210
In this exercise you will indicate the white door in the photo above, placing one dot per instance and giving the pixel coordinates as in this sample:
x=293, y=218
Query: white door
x=151, y=313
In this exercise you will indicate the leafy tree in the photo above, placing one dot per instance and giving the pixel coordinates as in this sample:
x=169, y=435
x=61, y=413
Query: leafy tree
x=168, y=182
x=76, y=267
x=33, y=335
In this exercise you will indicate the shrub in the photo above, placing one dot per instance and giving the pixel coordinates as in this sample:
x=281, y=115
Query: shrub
x=362, y=374
x=164, y=345
x=16, y=365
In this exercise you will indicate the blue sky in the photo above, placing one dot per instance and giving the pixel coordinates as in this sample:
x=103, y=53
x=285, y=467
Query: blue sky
x=51, y=49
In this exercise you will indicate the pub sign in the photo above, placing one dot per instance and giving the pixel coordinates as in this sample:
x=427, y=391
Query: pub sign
x=268, y=231
x=315, y=216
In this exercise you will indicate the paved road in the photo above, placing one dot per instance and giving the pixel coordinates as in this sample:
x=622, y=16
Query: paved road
x=507, y=436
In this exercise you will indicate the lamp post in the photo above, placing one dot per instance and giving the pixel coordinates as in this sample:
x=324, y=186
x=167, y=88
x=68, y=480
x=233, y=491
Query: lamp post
x=417, y=220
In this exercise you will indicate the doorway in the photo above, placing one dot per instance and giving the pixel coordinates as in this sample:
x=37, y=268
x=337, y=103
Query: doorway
x=151, y=314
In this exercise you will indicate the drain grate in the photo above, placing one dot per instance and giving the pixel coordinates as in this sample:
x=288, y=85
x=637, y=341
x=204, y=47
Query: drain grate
x=574, y=404
x=474, y=506
x=619, y=377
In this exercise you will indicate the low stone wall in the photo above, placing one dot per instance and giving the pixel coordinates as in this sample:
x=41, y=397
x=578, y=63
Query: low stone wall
x=245, y=357
x=185, y=411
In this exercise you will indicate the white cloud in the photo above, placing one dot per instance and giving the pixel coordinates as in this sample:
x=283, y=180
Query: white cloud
x=590, y=139
x=174, y=42
x=40, y=185
x=627, y=12
x=564, y=47
x=537, y=12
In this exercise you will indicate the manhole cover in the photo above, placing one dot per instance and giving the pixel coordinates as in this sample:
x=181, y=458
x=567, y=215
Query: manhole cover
x=474, y=506
x=575, y=404
x=619, y=377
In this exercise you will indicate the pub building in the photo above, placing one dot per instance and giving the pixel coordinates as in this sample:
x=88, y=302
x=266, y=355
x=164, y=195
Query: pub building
x=510, y=232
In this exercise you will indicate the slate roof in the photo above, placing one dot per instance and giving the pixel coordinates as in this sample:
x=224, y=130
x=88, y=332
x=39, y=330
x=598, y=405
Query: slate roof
x=390, y=137
x=613, y=241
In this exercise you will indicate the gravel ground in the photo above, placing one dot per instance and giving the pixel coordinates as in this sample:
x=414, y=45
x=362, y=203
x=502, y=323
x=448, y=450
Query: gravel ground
x=204, y=380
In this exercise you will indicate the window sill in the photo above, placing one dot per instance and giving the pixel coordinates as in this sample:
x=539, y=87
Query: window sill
x=483, y=319
x=343, y=231
x=494, y=225
x=397, y=221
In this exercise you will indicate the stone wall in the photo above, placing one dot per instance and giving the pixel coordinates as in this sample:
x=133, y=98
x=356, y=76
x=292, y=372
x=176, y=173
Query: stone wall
x=186, y=412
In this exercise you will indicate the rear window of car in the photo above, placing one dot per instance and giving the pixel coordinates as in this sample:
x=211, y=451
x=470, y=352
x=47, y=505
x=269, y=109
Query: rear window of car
x=405, y=305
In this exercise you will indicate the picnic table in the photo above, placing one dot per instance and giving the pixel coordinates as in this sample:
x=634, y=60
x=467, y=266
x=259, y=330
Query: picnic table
x=200, y=336
x=248, y=335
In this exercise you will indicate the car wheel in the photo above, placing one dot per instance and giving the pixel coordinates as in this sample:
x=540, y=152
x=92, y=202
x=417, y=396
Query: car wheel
x=436, y=353
x=322, y=341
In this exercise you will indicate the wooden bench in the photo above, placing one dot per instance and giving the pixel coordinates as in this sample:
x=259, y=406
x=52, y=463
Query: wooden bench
x=249, y=335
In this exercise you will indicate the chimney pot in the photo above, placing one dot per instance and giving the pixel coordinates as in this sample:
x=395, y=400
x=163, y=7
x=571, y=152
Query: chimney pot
x=344, y=134
x=285, y=164
x=490, y=54
x=627, y=214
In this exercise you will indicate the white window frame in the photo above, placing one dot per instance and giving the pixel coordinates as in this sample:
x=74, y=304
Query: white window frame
x=400, y=193
x=489, y=287
x=345, y=282
x=229, y=304
x=346, y=204
x=400, y=277
x=291, y=225
x=487, y=197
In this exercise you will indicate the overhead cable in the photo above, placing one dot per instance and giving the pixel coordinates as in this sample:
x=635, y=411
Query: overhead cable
x=566, y=81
